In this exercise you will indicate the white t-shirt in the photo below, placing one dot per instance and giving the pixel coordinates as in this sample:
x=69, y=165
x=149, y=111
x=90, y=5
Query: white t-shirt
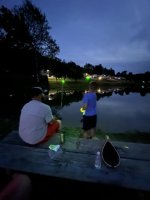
x=34, y=119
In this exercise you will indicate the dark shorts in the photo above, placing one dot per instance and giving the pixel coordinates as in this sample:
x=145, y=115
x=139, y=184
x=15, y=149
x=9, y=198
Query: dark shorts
x=89, y=122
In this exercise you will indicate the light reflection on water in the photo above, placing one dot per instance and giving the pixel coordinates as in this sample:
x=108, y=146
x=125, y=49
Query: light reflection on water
x=116, y=113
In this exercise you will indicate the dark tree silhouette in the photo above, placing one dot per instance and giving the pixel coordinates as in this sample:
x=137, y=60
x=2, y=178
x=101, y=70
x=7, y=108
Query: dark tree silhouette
x=38, y=27
x=24, y=34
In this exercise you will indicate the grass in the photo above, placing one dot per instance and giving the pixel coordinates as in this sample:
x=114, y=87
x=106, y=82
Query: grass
x=82, y=84
x=7, y=125
x=68, y=85
x=136, y=137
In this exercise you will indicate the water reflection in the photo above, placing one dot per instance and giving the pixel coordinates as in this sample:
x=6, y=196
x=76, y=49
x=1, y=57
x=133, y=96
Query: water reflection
x=124, y=113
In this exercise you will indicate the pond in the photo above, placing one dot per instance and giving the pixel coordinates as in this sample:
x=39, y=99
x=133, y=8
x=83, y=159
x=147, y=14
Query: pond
x=118, y=111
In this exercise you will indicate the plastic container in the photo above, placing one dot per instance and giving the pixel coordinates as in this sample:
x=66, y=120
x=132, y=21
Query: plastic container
x=62, y=138
x=54, y=151
x=98, y=160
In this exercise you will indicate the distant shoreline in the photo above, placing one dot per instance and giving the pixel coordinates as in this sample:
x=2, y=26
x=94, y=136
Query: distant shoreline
x=83, y=84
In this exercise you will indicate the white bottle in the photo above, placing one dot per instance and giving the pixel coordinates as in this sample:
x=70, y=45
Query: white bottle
x=98, y=160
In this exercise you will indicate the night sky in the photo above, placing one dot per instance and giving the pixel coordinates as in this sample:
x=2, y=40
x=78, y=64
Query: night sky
x=113, y=33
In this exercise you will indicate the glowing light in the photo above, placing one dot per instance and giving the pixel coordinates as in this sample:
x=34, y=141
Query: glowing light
x=99, y=90
x=87, y=78
x=99, y=78
x=62, y=81
x=82, y=111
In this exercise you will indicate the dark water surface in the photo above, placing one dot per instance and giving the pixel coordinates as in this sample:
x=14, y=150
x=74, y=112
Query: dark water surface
x=117, y=110
x=116, y=113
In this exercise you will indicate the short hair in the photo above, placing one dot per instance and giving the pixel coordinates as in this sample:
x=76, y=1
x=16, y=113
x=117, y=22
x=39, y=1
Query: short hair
x=93, y=85
x=35, y=91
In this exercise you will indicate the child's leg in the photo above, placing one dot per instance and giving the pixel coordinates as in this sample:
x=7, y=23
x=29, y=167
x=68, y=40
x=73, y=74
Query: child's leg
x=92, y=132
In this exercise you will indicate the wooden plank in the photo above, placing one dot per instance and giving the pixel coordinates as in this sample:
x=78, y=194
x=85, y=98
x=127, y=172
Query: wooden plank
x=136, y=151
x=132, y=174
x=126, y=149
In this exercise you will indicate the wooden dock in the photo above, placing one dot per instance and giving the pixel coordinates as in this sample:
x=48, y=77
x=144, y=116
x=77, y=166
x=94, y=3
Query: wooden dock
x=76, y=161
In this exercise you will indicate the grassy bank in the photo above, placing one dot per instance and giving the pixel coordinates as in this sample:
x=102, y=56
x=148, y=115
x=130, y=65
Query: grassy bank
x=137, y=137
x=83, y=84
x=8, y=125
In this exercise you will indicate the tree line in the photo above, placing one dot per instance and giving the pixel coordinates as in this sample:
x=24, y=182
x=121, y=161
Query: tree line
x=26, y=47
